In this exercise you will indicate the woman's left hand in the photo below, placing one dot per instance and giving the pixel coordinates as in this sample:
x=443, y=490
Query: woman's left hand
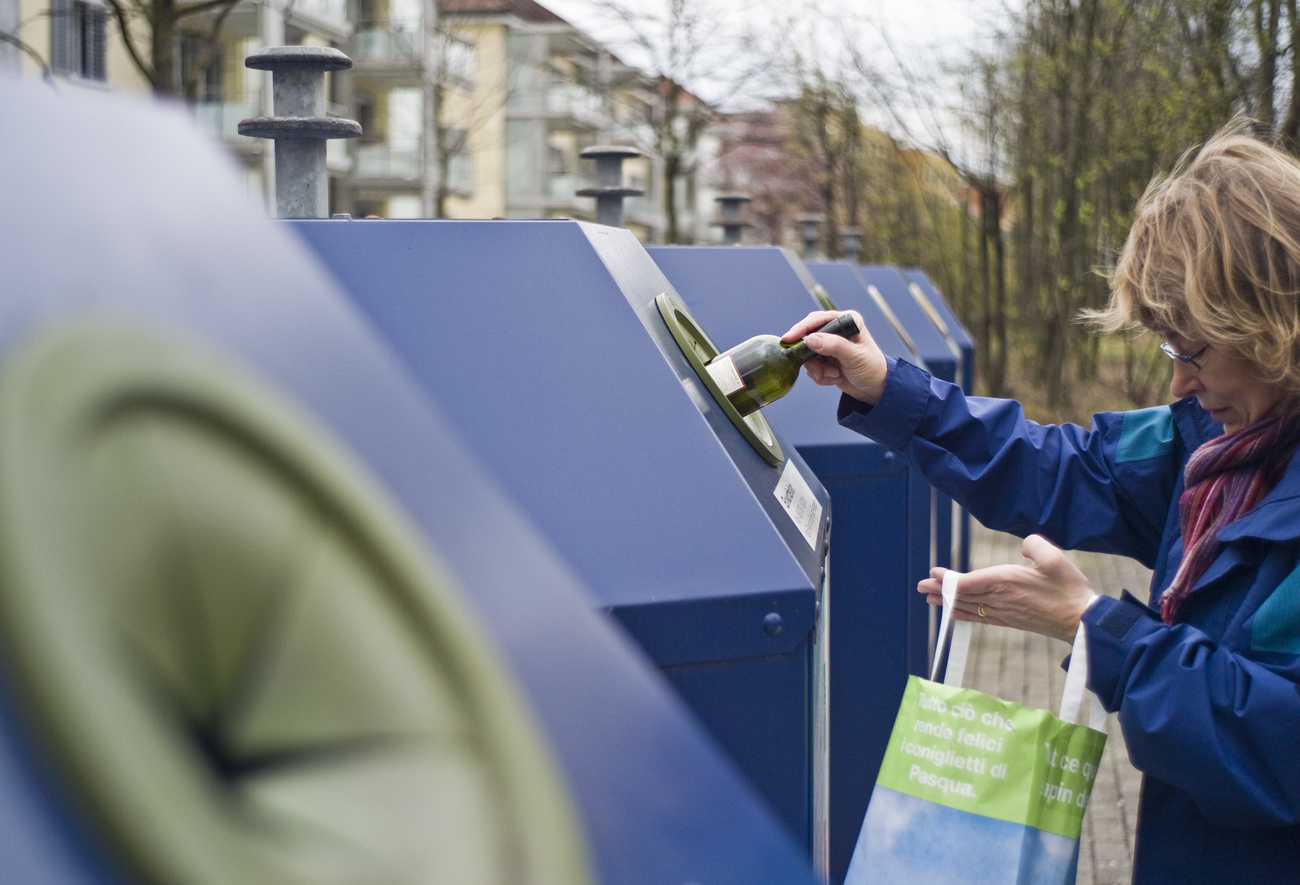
x=1048, y=597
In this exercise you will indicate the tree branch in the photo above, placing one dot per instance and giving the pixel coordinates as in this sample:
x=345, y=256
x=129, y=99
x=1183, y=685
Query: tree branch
x=205, y=6
x=209, y=54
x=47, y=73
x=120, y=13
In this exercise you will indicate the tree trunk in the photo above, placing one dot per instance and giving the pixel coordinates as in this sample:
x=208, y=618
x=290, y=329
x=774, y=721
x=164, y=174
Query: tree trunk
x=162, y=20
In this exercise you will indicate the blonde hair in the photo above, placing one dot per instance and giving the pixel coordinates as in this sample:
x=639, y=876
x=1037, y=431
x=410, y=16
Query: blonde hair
x=1214, y=256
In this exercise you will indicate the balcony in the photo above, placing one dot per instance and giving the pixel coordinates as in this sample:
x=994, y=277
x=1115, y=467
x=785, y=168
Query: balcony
x=565, y=185
x=221, y=118
x=390, y=42
x=575, y=102
x=389, y=161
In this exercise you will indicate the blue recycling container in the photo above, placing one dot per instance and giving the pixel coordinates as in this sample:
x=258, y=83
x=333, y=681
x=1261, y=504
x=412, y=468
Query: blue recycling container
x=879, y=624
x=942, y=315
x=847, y=288
x=941, y=360
x=551, y=346
x=951, y=327
x=123, y=218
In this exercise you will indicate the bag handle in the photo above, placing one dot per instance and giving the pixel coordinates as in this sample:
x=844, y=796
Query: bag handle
x=1076, y=686
x=956, y=635
x=960, y=631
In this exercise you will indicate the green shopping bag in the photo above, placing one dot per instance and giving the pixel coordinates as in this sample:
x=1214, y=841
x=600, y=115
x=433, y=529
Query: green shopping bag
x=977, y=789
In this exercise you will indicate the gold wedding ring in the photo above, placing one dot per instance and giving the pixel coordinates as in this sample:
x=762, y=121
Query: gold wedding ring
x=979, y=609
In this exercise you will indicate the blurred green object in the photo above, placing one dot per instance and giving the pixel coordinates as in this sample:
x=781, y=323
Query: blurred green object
x=243, y=660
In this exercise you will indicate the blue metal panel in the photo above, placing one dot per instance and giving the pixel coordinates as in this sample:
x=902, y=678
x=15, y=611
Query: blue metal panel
x=41, y=838
x=930, y=343
x=846, y=285
x=531, y=336
x=848, y=290
x=939, y=359
x=121, y=211
x=966, y=346
x=960, y=336
x=879, y=624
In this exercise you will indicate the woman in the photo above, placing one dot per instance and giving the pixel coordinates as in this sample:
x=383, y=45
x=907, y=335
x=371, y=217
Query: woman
x=1206, y=683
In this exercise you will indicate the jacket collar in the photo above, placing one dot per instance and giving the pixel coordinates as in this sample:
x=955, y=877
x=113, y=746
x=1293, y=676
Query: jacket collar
x=1277, y=518
x=1195, y=426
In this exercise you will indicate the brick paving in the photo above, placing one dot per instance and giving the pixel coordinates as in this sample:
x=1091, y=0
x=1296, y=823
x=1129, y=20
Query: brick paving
x=1025, y=668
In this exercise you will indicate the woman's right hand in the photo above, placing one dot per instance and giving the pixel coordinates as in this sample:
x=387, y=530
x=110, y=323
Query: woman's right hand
x=1047, y=597
x=855, y=365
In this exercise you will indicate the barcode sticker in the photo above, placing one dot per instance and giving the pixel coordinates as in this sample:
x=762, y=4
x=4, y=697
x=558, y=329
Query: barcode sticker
x=797, y=497
x=723, y=371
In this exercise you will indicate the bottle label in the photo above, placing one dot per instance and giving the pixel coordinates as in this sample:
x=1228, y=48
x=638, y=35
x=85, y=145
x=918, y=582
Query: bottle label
x=723, y=372
x=797, y=497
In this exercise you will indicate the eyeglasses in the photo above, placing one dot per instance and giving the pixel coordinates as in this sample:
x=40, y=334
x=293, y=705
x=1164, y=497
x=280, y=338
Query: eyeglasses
x=1190, y=358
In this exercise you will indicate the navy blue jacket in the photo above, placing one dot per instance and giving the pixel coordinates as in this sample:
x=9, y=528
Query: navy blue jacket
x=1210, y=708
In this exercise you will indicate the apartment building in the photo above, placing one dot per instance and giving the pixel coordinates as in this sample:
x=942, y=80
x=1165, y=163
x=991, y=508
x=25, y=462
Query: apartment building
x=518, y=92
x=78, y=44
x=469, y=108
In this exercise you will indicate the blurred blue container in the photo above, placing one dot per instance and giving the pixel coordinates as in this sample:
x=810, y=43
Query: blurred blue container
x=544, y=344
x=928, y=295
x=879, y=624
x=941, y=360
x=123, y=213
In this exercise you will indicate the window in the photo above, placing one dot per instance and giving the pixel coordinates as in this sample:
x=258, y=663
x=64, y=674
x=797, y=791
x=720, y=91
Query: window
x=195, y=51
x=460, y=165
x=458, y=60
x=365, y=110
x=78, y=39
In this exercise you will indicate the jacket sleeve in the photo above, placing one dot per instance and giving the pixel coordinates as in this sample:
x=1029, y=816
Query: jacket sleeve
x=1064, y=482
x=1213, y=723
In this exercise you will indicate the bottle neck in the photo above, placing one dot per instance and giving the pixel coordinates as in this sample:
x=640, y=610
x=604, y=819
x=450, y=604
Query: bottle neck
x=843, y=325
x=799, y=352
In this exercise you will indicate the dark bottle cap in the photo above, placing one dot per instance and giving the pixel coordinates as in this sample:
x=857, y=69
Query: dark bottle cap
x=843, y=325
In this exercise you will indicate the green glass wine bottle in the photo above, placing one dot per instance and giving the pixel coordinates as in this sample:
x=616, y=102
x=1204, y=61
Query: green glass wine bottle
x=763, y=369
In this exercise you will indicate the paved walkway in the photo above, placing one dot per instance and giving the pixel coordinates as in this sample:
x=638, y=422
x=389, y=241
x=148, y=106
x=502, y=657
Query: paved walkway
x=1025, y=668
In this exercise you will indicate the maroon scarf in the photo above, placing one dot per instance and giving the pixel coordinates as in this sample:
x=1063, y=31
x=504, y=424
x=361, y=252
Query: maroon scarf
x=1225, y=479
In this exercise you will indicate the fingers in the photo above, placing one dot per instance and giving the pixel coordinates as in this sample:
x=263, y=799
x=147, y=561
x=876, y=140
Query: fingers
x=856, y=366
x=1039, y=550
x=824, y=372
x=984, y=596
x=1048, y=596
x=1051, y=562
x=963, y=608
x=812, y=322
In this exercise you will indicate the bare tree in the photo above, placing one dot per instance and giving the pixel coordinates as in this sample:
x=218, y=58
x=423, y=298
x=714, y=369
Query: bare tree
x=826, y=133
x=47, y=73
x=755, y=159
x=690, y=49
x=152, y=30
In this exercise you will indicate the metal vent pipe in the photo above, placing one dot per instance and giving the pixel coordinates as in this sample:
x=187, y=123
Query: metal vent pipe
x=609, y=191
x=729, y=217
x=300, y=125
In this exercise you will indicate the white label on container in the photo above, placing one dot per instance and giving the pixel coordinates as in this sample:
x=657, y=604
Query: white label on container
x=723, y=372
x=797, y=497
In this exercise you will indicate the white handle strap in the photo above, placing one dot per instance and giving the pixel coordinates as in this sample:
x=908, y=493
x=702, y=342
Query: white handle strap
x=959, y=646
x=1076, y=675
x=1076, y=686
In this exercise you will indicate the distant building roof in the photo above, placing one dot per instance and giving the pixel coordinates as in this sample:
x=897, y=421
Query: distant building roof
x=528, y=10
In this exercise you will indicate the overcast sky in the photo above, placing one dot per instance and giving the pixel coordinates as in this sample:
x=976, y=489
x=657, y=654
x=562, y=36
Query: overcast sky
x=923, y=28
x=926, y=35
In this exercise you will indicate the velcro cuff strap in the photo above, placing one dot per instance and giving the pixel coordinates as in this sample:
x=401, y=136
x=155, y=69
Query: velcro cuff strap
x=1118, y=618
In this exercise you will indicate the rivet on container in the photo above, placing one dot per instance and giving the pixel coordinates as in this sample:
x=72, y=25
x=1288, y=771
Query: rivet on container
x=729, y=217
x=300, y=125
x=609, y=191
